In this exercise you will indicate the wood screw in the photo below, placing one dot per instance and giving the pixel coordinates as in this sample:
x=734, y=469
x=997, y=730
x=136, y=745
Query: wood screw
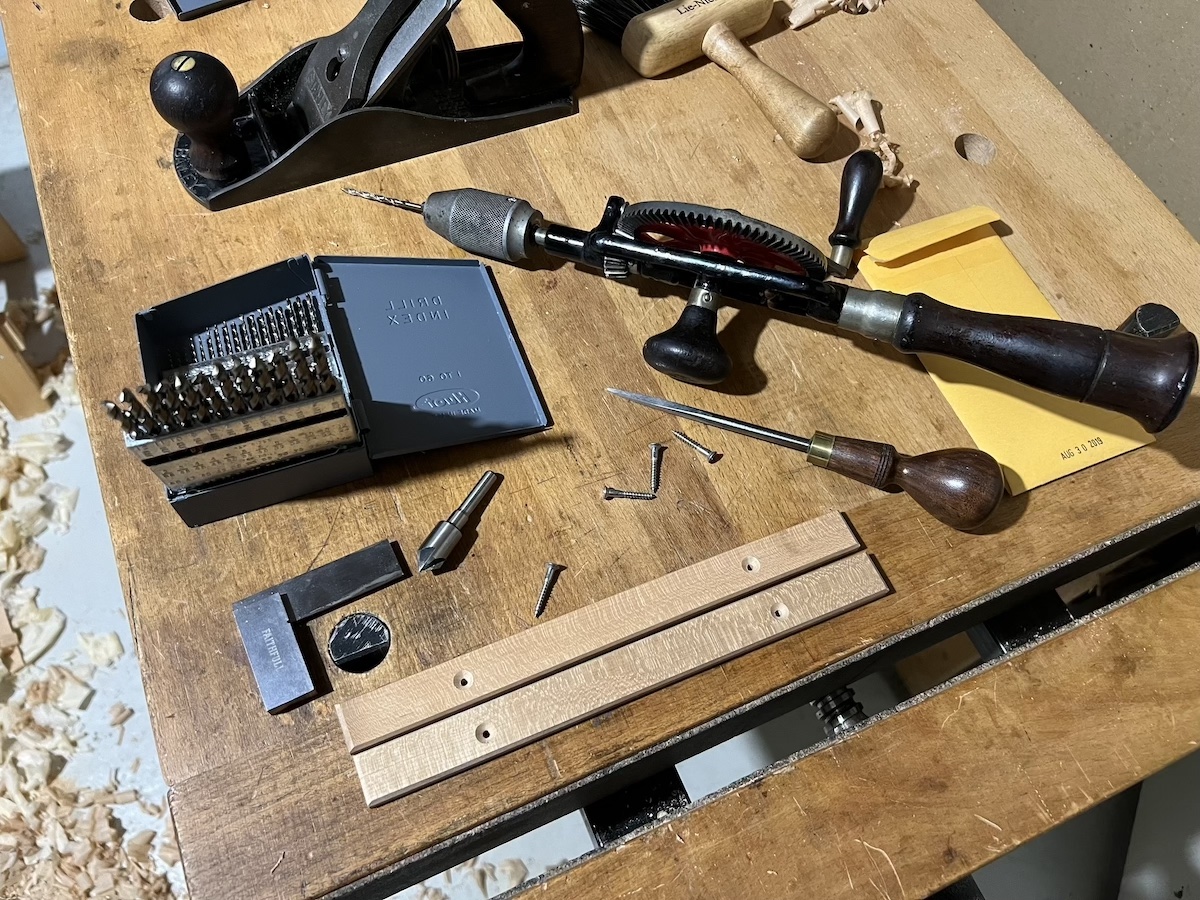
x=552, y=573
x=656, y=461
x=710, y=456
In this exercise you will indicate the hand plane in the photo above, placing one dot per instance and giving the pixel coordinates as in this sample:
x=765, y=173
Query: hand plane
x=389, y=86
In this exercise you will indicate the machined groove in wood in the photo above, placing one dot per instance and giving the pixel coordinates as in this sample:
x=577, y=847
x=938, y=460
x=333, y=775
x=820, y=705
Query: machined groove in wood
x=468, y=738
x=474, y=677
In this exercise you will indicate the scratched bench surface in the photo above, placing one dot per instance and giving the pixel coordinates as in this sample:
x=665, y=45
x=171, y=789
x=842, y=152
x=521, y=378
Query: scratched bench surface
x=269, y=807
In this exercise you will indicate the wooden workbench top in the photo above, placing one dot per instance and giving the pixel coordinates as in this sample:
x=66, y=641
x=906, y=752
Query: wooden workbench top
x=269, y=807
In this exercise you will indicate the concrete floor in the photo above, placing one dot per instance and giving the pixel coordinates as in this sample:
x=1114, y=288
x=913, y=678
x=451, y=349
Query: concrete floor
x=1131, y=70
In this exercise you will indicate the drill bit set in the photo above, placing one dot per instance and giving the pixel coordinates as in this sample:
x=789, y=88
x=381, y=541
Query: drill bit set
x=231, y=414
x=293, y=378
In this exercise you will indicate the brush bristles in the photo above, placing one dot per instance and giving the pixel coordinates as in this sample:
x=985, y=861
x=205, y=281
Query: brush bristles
x=608, y=18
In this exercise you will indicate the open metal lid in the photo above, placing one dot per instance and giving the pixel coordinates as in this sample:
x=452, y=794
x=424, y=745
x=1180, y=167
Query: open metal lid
x=429, y=353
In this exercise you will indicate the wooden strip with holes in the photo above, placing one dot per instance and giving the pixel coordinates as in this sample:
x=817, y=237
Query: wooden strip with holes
x=923, y=797
x=411, y=761
x=409, y=703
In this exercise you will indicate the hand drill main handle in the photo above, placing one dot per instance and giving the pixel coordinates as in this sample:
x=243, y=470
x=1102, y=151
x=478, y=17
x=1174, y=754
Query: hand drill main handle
x=960, y=487
x=1145, y=379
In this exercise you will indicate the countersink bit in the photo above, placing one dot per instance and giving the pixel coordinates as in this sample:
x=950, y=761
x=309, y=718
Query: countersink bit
x=553, y=570
x=446, y=534
x=125, y=417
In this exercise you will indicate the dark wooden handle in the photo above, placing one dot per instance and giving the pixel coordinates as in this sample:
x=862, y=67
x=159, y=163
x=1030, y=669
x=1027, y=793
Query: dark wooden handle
x=861, y=177
x=1145, y=379
x=959, y=487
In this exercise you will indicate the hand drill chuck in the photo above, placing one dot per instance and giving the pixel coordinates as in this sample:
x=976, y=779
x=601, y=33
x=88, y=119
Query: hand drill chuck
x=480, y=222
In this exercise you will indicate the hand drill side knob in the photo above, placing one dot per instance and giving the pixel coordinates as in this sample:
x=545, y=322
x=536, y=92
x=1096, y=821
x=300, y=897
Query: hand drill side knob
x=689, y=350
x=197, y=95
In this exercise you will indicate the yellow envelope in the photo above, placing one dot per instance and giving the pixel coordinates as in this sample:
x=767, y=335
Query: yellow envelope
x=960, y=260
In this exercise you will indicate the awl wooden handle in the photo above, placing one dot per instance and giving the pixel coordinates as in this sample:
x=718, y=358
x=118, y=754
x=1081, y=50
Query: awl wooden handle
x=961, y=487
x=806, y=124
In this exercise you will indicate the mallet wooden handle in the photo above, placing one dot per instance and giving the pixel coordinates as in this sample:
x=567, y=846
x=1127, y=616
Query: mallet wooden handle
x=805, y=123
x=959, y=487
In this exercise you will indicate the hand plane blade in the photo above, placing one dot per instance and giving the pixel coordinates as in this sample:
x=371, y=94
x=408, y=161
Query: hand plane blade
x=348, y=69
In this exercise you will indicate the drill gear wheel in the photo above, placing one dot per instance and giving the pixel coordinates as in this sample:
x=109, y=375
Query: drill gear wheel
x=688, y=226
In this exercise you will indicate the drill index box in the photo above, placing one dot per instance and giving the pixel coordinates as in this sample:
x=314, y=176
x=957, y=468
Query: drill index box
x=419, y=355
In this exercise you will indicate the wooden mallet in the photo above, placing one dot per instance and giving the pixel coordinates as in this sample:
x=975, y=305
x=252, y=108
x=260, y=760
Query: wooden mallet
x=656, y=38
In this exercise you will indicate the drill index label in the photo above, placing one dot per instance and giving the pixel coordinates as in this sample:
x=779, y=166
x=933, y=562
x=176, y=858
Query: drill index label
x=215, y=465
x=192, y=438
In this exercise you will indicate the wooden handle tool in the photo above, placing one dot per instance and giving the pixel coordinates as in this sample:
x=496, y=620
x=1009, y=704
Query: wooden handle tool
x=960, y=487
x=806, y=124
x=669, y=36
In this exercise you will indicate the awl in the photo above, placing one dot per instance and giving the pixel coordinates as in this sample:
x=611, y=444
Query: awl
x=961, y=487
x=446, y=534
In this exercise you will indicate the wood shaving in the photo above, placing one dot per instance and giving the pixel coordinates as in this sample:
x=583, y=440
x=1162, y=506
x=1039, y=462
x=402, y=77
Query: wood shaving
x=119, y=714
x=858, y=107
x=68, y=691
x=481, y=873
x=8, y=637
x=514, y=872
x=58, y=842
x=805, y=12
x=102, y=649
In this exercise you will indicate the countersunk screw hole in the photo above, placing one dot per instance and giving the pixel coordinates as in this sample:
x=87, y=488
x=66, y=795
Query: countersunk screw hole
x=751, y=564
x=483, y=733
x=463, y=679
x=780, y=611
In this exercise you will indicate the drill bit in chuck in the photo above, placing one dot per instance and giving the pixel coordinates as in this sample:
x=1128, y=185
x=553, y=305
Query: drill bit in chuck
x=446, y=534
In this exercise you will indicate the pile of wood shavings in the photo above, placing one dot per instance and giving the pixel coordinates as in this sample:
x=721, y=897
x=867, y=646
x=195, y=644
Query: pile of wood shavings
x=859, y=109
x=805, y=12
x=57, y=840
x=43, y=314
